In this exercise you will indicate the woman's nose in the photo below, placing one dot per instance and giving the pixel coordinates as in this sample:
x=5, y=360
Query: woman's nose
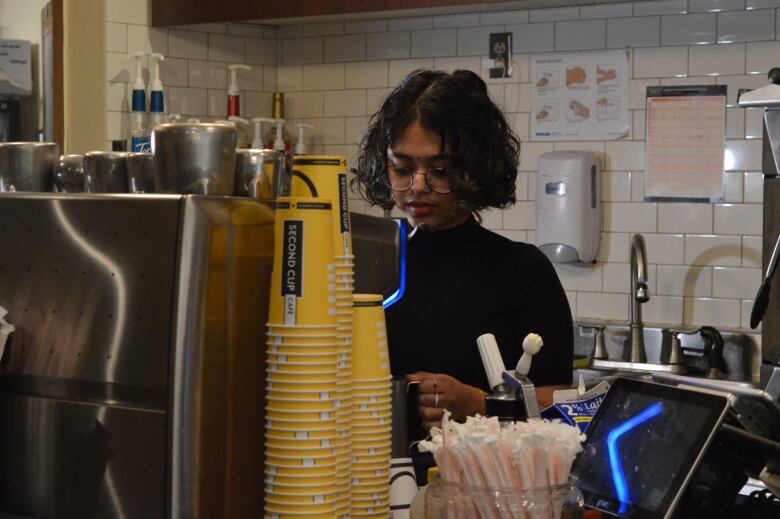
x=418, y=182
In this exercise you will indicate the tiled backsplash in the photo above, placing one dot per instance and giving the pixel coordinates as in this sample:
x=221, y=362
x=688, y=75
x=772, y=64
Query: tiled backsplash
x=194, y=72
x=704, y=258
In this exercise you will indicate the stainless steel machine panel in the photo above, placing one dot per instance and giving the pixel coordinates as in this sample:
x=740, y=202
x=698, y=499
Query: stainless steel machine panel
x=218, y=377
x=770, y=326
x=72, y=459
x=133, y=384
x=88, y=282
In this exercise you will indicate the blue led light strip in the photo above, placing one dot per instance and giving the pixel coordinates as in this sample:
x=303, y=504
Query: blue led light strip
x=618, y=476
x=398, y=294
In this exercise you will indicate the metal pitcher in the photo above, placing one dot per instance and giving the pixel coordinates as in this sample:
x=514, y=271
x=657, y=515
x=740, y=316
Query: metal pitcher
x=69, y=174
x=140, y=173
x=195, y=158
x=258, y=173
x=105, y=172
x=28, y=166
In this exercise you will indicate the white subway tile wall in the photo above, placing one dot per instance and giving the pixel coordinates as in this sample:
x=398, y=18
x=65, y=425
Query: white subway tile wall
x=704, y=259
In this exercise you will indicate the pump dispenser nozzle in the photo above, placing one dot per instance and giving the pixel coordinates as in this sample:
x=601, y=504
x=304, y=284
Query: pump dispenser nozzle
x=139, y=78
x=300, y=146
x=238, y=120
x=233, y=86
x=233, y=92
x=257, y=141
x=156, y=103
x=139, y=87
x=279, y=141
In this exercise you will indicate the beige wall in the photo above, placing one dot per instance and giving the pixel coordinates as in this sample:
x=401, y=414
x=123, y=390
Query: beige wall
x=84, y=63
x=84, y=68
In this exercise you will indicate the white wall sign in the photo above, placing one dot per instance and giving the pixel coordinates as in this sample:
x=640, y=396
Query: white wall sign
x=685, y=142
x=579, y=97
x=15, y=69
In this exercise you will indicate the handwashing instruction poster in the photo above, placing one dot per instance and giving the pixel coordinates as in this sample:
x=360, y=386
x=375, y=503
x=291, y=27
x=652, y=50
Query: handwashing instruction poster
x=579, y=97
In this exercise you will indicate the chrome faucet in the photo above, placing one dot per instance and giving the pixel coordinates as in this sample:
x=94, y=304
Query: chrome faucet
x=636, y=338
x=638, y=296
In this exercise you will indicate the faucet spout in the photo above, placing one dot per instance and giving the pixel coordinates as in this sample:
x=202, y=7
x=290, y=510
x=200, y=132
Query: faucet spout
x=639, y=295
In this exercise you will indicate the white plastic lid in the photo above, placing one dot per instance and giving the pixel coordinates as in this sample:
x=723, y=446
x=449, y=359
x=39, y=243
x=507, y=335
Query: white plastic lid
x=491, y=359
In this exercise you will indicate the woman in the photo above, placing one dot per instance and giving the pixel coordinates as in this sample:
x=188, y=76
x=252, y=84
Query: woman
x=441, y=151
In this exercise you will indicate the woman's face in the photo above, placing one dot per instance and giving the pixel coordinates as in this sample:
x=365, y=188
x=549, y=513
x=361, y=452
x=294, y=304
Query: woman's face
x=421, y=149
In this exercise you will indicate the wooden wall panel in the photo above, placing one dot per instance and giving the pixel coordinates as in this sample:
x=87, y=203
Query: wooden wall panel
x=180, y=12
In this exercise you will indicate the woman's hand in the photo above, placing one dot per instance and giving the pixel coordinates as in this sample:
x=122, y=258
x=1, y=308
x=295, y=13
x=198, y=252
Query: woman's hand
x=438, y=392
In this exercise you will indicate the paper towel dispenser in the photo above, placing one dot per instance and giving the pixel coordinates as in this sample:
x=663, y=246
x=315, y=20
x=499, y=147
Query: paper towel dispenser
x=568, y=206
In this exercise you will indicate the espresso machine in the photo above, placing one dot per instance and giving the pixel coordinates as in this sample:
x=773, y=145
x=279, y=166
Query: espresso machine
x=767, y=306
x=133, y=383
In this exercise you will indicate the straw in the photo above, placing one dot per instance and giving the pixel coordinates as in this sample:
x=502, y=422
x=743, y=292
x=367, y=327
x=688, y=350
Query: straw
x=522, y=455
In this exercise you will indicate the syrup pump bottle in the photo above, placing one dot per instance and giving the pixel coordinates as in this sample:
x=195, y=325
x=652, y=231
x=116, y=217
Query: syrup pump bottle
x=271, y=138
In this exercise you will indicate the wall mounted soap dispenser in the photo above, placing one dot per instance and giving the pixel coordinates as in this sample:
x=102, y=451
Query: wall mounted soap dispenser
x=568, y=206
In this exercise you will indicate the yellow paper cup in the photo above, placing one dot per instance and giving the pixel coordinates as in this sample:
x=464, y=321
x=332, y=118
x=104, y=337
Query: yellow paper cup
x=310, y=489
x=304, y=385
x=371, y=481
x=287, y=471
x=364, y=452
x=303, y=357
x=303, y=329
x=303, y=254
x=378, y=467
x=288, y=443
x=284, y=394
x=299, y=404
x=306, y=462
x=299, y=415
x=328, y=175
x=303, y=434
x=371, y=437
x=302, y=340
x=310, y=376
x=279, y=511
x=290, y=453
x=370, y=356
x=300, y=481
x=359, y=422
x=385, y=413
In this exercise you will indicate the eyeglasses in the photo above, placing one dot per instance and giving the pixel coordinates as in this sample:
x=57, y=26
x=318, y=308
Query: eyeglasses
x=401, y=178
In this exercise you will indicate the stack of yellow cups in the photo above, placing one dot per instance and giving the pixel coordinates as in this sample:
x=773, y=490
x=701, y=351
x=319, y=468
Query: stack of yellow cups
x=326, y=176
x=371, y=409
x=302, y=365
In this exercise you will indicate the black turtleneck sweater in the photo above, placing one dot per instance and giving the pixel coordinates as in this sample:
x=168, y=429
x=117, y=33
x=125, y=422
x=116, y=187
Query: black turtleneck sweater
x=466, y=281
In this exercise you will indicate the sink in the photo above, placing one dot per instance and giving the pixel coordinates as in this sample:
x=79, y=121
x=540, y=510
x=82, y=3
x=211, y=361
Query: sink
x=741, y=350
x=594, y=376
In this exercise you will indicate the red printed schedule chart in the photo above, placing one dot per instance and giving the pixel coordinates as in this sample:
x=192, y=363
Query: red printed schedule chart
x=685, y=142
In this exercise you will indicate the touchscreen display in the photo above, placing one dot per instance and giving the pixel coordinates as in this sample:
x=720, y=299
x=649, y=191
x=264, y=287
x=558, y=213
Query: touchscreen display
x=641, y=445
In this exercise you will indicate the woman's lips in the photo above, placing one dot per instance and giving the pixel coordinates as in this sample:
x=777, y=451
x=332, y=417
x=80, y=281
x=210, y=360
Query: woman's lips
x=419, y=208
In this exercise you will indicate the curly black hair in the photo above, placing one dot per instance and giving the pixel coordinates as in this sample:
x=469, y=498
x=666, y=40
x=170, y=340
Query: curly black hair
x=485, y=150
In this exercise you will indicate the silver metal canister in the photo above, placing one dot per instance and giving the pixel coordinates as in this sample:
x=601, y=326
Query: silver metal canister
x=69, y=174
x=28, y=166
x=195, y=158
x=258, y=173
x=140, y=173
x=105, y=172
